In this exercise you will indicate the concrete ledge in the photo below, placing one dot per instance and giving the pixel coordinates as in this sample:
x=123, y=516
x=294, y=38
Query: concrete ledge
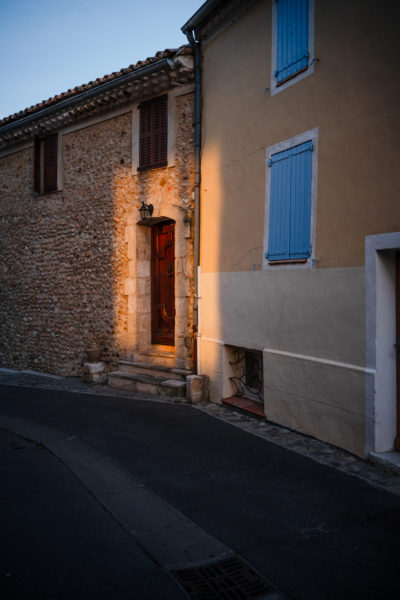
x=389, y=461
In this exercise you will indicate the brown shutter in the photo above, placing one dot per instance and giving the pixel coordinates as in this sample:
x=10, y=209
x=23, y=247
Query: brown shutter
x=145, y=136
x=153, y=133
x=36, y=165
x=160, y=131
x=50, y=163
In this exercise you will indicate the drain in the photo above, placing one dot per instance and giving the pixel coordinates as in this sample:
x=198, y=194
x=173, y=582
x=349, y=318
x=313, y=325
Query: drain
x=228, y=579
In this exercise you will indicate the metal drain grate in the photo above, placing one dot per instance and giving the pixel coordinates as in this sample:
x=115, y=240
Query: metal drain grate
x=228, y=579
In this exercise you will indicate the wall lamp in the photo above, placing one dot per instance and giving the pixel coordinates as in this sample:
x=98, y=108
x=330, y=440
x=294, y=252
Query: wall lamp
x=146, y=210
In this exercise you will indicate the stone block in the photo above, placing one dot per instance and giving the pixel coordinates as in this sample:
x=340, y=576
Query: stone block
x=132, y=324
x=143, y=307
x=94, y=373
x=187, y=230
x=131, y=304
x=180, y=307
x=130, y=234
x=143, y=287
x=132, y=267
x=129, y=286
x=196, y=388
x=143, y=268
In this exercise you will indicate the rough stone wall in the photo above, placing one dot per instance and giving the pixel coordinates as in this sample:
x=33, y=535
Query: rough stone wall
x=170, y=191
x=65, y=259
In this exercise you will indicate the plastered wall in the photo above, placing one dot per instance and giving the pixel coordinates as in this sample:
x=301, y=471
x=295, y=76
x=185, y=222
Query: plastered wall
x=309, y=323
x=352, y=97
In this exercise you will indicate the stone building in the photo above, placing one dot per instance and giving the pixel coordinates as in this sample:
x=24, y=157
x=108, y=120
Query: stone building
x=80, y=267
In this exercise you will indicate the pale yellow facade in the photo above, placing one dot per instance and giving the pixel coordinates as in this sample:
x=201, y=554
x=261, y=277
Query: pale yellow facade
x=310, y=322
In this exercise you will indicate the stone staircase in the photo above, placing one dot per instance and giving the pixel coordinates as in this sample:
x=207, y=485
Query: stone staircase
x=149, y=378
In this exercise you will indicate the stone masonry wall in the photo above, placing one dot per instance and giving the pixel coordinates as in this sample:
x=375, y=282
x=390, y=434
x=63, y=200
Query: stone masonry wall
x=170, y=192
x=66, y=265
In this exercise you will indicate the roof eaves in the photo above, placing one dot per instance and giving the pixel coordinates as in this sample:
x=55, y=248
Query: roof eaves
x=165, y=71
x=78, y=97
x=213, y=17
x=200, y=15
x=93, y=85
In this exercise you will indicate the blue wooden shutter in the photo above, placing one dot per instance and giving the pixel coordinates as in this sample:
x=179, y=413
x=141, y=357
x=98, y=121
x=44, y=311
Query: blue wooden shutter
x=292, y=45
x=290, y=204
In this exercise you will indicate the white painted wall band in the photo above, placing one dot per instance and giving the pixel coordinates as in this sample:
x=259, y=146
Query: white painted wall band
x=325, y=361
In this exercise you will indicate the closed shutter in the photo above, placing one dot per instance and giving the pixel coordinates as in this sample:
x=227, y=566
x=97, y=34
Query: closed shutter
x=290, y=204
x=153, y=133
x=50, y=163
x=160, y=132
x=36, y=165
x=292, y=44
x=145, y=136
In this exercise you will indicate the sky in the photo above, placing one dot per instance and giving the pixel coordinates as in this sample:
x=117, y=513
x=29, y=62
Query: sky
x=49, y=46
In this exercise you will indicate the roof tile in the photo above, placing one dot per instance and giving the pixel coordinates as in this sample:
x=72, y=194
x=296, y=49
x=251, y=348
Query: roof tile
x=87, y=86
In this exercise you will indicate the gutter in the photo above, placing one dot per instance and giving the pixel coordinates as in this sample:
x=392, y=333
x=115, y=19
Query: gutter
x=198, y=17
x=197, y=179
x=108, y=85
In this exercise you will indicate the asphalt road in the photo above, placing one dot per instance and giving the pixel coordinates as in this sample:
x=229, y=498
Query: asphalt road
x=58, y=541
x=314, y=532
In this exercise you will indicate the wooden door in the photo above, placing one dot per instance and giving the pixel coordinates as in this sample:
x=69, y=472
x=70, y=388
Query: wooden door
x=163, y=283
x=397, y=439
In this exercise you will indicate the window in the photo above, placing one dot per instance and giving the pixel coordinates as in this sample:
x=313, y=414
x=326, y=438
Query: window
x=247, y=373
x=153, y=134
x=290, y=200
x=292, y=41
x=45, y=164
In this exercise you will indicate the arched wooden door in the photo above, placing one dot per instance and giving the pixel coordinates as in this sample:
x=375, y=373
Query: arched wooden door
x=163, y=283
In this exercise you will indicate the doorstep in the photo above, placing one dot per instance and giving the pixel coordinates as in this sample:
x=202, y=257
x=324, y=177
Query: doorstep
x=244, y=404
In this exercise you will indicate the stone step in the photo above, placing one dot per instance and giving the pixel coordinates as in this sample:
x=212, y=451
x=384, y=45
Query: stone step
x=146, y=368
x=148, y=384
x=161, y=357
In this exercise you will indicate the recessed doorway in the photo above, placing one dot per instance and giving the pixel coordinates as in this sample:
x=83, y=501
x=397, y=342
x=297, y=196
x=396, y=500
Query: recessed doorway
x=163, y=283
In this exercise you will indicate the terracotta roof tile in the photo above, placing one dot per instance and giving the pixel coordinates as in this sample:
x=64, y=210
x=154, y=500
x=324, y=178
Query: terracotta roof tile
x=168, y=53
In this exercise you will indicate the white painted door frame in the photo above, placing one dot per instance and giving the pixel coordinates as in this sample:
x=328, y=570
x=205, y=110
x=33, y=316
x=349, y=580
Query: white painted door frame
x=380, y=304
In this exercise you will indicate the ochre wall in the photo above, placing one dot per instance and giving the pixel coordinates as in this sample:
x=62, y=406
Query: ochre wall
x=309, y=323
x=352, y=98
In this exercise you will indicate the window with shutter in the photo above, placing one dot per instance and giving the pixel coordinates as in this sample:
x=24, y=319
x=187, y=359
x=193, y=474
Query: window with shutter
x=290, y=200
x=292, y=51
x=293, y=42
x=153, y=133
x=45, y=164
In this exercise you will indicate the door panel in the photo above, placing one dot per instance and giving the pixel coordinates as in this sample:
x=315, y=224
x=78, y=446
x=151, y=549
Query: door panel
x=163, y=283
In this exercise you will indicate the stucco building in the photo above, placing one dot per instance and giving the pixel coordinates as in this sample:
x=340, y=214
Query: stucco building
x=79, y=266
x=300, y=214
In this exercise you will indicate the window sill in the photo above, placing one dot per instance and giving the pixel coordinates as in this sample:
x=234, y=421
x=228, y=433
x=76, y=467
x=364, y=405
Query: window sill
x=245, y=405
x=155, y=168
x=43, y=194
x=293, y=261
x=279, y=83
